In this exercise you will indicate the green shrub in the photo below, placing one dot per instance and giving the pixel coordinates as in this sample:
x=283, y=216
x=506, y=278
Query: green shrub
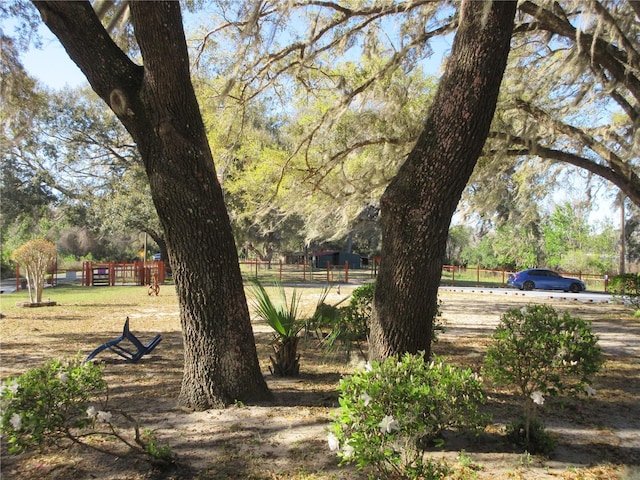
x=356, y=315
x=532, y=435
x=541, y=353
x=283, y=316
x=65, y=401
x=344, y=326
x=392, y=410
x=626, y=289
x=348, y=326
x=44, y=404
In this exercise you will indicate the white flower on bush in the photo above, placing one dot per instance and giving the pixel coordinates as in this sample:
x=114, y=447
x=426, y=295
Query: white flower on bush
x=366, y=398
x=10, y=387
x=63, y=377
x=348, y=451
x=368, y=367
x=16, y=422
x=7, y=387
x=334, y=443
x=388, y=424
x=92, y=412
x=589, y=390
x=103, y=416
x=537, y=397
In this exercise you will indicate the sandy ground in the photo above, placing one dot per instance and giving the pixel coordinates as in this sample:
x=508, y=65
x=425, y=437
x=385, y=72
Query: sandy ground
x=286, y=439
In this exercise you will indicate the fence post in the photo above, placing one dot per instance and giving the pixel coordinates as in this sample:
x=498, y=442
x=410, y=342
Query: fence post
x=453, y=276
x=280, y=270
x=478, y=275
x=328, y=272
x=162, y=271
x=89, y=271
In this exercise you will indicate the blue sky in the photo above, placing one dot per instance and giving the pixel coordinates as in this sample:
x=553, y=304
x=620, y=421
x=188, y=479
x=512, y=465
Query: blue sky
x=51, y=64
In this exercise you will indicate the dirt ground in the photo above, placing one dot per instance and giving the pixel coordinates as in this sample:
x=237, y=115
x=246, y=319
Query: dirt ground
x=286, y=439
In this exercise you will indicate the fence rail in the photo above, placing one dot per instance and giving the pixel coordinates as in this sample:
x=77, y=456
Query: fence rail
x=303, y=272
x=455, y=275
x=141, y=273
x=452, y=275
x=112, y=273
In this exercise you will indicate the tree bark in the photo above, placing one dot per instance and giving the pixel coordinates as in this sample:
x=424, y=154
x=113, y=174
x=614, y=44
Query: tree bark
x=417, y=206
x=157, y=104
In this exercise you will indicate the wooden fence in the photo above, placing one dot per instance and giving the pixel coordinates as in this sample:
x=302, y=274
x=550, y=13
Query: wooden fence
x=141, y=273
x=112, y=273
x=452, y=275
x=281, y=272
x=475, y=276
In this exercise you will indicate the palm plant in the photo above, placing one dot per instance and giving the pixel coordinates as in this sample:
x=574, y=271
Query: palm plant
x=282, y=316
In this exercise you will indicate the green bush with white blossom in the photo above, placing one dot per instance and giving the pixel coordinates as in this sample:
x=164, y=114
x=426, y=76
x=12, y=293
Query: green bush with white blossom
x=64, y=402
x=539, y=352
x=625, y=289
x=44, y=404
x=391, y=411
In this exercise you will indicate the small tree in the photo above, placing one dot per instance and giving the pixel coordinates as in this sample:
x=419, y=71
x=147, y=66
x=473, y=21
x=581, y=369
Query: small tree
x=35, y=256
x=539, y=352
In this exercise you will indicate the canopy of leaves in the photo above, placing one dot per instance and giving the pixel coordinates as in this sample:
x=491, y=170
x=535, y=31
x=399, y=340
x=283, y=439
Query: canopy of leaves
x=570, y=99
x=311, y=115
x=349, y=82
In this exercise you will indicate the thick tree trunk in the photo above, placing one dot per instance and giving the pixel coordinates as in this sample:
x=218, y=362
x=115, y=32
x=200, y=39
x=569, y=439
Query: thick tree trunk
x=417, y=207
x=157, y=105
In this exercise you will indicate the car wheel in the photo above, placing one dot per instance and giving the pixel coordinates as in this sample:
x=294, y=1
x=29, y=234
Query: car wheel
x=575, y=288
x=528, y=285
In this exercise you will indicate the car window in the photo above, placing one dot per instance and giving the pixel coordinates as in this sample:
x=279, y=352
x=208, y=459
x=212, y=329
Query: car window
x=536, y=273
x=553, y=274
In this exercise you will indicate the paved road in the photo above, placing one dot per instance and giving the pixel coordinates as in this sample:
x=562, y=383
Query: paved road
x=7, y=285
x=582, y=296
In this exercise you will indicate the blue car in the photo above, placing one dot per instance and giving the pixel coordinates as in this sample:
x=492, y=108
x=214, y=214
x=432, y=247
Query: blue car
x=545, y=280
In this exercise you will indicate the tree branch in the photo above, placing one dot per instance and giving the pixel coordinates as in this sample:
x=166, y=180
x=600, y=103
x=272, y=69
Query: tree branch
x=597, y=49
x=85, y=39
x=628, y=183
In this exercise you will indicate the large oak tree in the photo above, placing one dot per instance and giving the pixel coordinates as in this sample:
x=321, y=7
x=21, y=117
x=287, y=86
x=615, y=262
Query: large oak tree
x=156, y=103
x=162, y=116
x=418, y=204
